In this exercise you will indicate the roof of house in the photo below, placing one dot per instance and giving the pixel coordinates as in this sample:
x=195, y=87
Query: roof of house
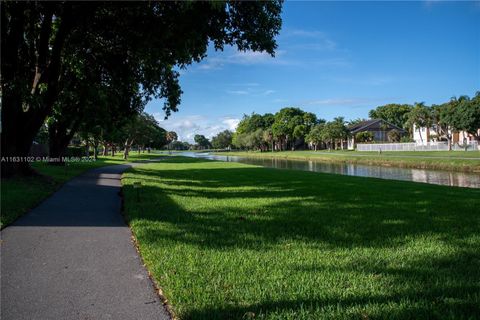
x=371, y=125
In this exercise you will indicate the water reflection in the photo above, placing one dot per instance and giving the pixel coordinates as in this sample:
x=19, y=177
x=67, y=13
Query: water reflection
x=457, y=179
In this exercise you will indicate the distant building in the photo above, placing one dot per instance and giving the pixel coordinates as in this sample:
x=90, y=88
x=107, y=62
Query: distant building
x=427, y=135
x=378, y=127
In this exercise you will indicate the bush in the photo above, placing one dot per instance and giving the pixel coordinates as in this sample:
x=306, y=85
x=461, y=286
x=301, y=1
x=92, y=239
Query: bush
x=406, y=139
x=394, y=136
x=364, y=136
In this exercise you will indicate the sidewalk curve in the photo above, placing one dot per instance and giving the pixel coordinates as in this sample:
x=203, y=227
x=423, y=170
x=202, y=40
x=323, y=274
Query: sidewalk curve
x=72, y=257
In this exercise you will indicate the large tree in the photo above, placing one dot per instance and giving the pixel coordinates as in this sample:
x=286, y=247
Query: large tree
x=222, y=140
x=142, y=130
x=286, y=120
x=393, y=113
x=468, y=116
x=43, y=41
x=201, y=141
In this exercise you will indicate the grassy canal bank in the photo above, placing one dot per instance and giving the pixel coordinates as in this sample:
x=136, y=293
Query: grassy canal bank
x=234, y=241
x=436, y=160
x=20, y=194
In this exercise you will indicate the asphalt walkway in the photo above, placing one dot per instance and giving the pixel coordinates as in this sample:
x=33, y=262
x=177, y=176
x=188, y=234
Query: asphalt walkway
x=72, y=257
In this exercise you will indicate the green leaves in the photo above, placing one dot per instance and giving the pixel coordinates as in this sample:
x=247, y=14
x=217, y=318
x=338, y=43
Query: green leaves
x=393, y=113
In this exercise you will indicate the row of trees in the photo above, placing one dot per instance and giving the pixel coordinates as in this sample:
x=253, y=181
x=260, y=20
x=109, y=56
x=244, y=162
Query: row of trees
x=289, y=129
x=91, y=67
x=292, y=128
x=284, y=130
x=460, y=114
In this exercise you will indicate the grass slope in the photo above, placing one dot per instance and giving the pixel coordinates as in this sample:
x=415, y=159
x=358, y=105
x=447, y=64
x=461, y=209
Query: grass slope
x=436, y=160
x=20, y=194
x=232, y=241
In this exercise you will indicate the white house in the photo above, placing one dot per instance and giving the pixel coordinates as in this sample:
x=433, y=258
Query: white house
x=428, y=135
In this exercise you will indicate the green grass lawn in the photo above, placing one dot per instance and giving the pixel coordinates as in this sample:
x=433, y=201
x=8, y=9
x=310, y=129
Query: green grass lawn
x=233, y=241
x=18, y=195
x=437, y=160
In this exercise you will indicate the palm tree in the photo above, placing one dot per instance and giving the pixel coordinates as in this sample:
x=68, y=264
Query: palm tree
x=268, y=137
x=420, y=117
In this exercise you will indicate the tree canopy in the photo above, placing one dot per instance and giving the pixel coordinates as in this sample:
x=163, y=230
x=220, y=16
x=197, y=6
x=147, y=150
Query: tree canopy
x=98, y=62
x=201, y=141
x=393, y=113
x=222, y=140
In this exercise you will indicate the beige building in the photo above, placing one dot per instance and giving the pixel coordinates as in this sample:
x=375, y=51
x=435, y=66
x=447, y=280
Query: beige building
x=428, y=135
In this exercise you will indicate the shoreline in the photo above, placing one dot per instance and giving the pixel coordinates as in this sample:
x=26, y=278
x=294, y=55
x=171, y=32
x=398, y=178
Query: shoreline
x=457, y=164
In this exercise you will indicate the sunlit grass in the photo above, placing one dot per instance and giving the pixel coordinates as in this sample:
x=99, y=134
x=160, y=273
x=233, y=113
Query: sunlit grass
x=232, y=241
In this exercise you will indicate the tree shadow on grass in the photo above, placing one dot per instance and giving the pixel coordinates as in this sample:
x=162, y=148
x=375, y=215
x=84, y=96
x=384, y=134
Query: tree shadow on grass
x=319, y=208
x=256, y=209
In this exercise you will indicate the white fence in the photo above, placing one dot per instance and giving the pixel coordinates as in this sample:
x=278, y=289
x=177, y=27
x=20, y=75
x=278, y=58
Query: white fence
x=431, y=146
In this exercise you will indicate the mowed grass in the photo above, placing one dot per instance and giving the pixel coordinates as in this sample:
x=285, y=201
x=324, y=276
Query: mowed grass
x=466, y=161
x=233, y=241
x=19, y=194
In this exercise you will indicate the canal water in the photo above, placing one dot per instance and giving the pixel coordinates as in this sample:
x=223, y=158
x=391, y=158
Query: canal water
x=447, y=178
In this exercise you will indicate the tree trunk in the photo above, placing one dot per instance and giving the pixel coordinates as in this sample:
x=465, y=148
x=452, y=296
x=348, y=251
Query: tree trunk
x=420, y=134
x=58, y=140
x=21, y=121
x=126, y=151
x=95, y=149
x=105, y=150
x=56, y=149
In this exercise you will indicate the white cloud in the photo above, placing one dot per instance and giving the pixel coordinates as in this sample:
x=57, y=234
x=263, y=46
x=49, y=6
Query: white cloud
x=331, y=102
x=237, y=92
x=247, y=84
x=254, y=91
x=317, y=40
x=342, y=101
x=231, y=123
x=250, y=57
x=211, y=64
x=234, y=57
x=367, y=80
x=187, y=127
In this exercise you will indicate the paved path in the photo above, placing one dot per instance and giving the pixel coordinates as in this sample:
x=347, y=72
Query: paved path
x=72, y=258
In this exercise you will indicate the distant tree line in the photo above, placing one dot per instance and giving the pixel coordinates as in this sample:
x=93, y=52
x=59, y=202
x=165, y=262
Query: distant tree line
x=460, y=114
x=288, y=129
x=292, y=128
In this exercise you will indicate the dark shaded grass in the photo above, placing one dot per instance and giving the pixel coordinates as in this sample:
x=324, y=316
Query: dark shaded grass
x=226, y=240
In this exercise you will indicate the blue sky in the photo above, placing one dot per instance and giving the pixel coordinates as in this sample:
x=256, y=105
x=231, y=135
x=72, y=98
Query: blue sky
x=336, y=59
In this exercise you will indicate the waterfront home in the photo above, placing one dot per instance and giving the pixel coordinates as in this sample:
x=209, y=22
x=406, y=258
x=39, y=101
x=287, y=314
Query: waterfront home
x=379, y=128
x=426, y=135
